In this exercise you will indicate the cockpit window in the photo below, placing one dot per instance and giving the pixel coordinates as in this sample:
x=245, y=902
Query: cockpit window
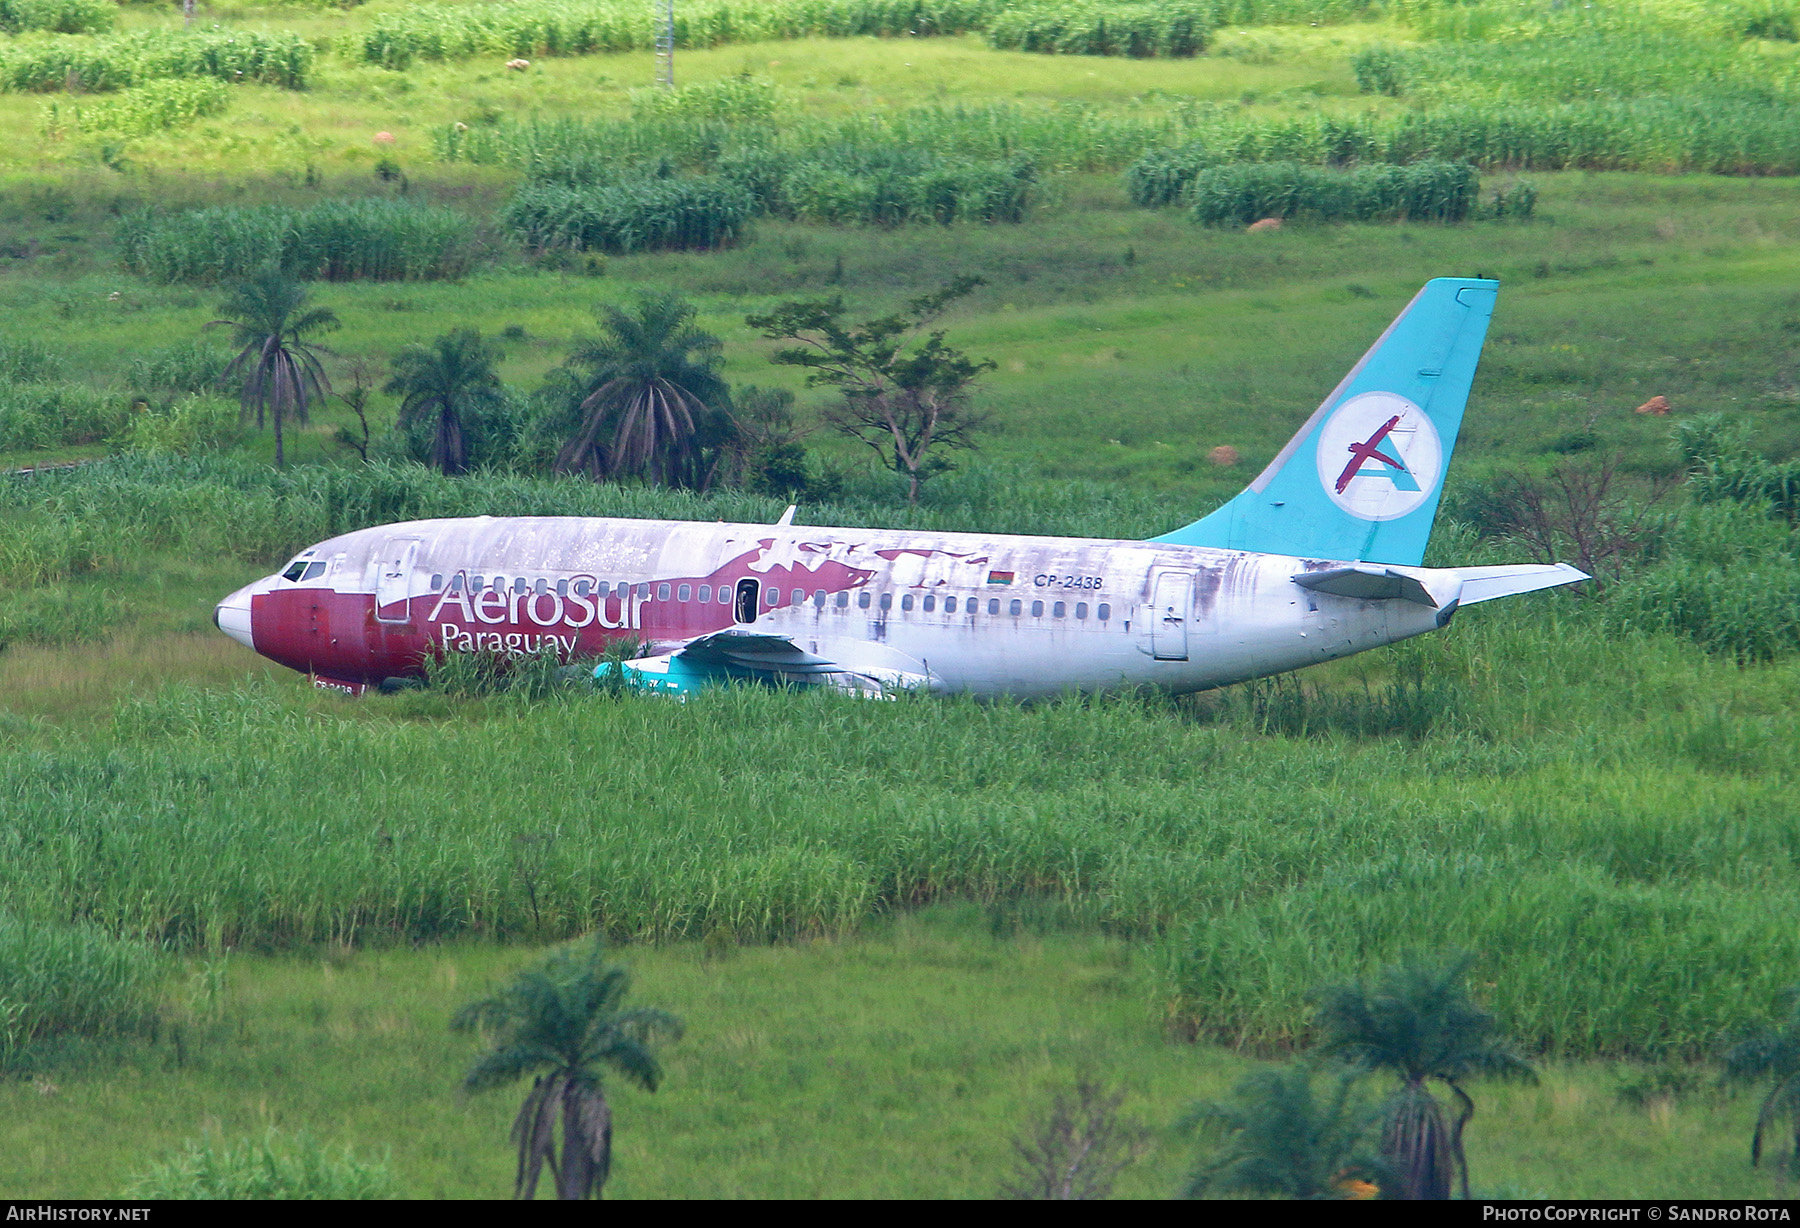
x=314, y=571
x=295, y=570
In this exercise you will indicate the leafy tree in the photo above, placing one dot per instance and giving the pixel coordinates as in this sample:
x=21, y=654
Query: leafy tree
x=906, y=398
x=1419, y=1023
x=1773, y=1054
x=565, y=1023
x=280, y=369
x=766, y=453
x=445, y=382
x=1079, y=1150
x=652, y=401
x=1279, y=1138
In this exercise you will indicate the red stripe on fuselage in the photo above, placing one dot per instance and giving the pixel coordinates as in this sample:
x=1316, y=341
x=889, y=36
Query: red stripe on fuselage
x=322, y=631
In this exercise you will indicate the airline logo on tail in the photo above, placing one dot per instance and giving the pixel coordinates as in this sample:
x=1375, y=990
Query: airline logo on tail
x=1379, y=456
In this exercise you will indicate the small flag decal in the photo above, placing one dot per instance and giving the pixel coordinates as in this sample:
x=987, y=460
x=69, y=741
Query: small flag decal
x=1000, y=577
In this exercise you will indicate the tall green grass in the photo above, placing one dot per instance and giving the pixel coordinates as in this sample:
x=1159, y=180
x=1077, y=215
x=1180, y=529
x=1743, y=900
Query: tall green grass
x=639, y=213
x=82, y=64
x=1141, y=29
x=61, y=981
x=1423, y=191
x=57, y=16
x=155, y=106
x=41, y=415
x=376, y=239
x=275, y=1166
x=585, y=27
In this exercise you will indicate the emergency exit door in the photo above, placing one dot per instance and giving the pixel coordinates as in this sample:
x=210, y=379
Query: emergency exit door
x=1173, y=600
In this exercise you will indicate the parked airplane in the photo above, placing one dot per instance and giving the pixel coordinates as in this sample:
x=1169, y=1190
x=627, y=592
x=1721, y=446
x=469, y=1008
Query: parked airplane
x=1317, y=559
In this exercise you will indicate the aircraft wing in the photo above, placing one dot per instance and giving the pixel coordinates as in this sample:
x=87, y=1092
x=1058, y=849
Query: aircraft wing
x=858, y=666
x=1438, y=588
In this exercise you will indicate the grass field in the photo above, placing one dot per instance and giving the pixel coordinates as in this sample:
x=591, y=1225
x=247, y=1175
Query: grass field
x=900, y=1064
x=896, y=930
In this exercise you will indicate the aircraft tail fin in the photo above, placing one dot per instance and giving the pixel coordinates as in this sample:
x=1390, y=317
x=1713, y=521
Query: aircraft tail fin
x=1362, y=479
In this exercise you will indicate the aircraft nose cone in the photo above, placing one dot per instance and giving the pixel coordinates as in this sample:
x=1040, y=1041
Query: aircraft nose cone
x=232, y=616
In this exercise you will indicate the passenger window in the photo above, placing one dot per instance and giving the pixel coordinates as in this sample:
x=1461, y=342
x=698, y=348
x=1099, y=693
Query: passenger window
x=772, y=597
x=1059, y=609
x=562, y=588
x=685, y=593
x=1081, y=609
x=906, y=602
x=724, y=595
x=843, y=601
x=437, y=583
x=887, y=601
x=1105, y=611
x=1037, y=609
x=662, y=592
x=521, y=586
x=819, y=598
x=949, y=604
x=862, y=600
x=477, y=584
x=705, y=592
x=994, y=605
x=1017, y=607
x=456, y=582
x=499, y=584
x=581, y=588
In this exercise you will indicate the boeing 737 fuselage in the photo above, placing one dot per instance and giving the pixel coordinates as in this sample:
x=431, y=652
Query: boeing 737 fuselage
x=1316, y=560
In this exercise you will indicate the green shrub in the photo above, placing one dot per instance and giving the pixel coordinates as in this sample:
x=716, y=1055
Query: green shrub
x=69, y=981
x=375, y=238
x=274, y=1167
x=57, y=16
x=155, y=106
x=1160, y=28
x=632, y=214
x=1380, y=70
x=1426, y=191
x=111, y=62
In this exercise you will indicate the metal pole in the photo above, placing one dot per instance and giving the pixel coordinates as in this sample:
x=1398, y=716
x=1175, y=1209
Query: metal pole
x=665, y=47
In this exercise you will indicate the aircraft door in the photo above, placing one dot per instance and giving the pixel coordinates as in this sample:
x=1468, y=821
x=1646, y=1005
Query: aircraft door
x=743, y=608
x=1172, y=605
x=393, y=579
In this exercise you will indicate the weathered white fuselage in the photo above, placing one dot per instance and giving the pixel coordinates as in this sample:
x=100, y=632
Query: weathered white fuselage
x=1024, y=616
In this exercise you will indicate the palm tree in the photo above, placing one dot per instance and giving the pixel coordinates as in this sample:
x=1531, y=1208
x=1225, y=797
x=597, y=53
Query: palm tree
x=1419, y=1022
x=1773, y=1054
x=280, y=369
x=563, y=1022
x=1281, y=1139
x=446, y=380
x=651, y=378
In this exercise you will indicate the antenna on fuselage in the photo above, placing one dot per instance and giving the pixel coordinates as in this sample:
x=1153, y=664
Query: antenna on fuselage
x=787, y=517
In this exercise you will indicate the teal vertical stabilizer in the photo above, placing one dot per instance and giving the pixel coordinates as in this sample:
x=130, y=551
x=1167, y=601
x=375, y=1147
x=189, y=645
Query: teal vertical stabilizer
x=1362, y=479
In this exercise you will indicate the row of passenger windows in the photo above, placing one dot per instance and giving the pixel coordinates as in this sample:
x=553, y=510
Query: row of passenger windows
x=774, y=597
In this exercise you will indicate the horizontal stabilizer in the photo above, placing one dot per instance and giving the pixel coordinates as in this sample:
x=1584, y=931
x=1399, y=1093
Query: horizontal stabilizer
x=1486, y=583
x=1367, y=583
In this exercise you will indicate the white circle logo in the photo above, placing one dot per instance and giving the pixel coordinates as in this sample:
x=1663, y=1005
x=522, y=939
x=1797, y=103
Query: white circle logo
x=1379, y=456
